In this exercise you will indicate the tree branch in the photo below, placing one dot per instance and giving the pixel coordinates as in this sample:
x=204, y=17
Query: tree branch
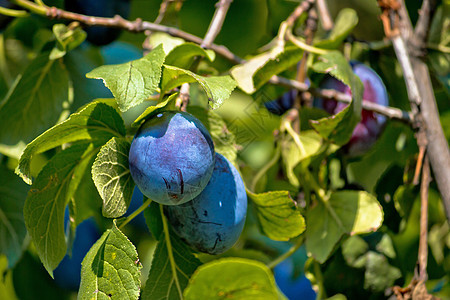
x=141, y=26
x=324, y=15
x=422, y=28
x=438, y=150
x=216, y=23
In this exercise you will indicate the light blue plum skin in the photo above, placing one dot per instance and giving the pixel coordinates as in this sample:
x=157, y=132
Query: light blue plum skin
x=371, y=125
x=213, y=221
x=171, y=157
x=68, y=273
x=293, y=288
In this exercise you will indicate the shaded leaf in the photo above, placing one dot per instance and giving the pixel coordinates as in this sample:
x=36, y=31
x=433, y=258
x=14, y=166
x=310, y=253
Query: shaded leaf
x=217, y=88
x=232, y=278
x=277, y=215
x=153, y=219
x=44, y=207
x=97, y=122
x=133, y=82
x=111, y=268
x=345, y=212
x=112, y=177
x=183, y=56
x=257, y=71
x=346, y=20
x=339, y=128
x=153, y=109
x=35, y=102
x=13, y=193
x=162, y=283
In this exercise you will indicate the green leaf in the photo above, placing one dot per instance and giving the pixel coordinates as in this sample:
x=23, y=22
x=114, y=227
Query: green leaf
x=403, y=199
x=224, y=140
x=184, y=55
x=257, y=71
x=345, y=212
x=217, y=88
x=293, y=151
x=338, y=128
x=66, y=39
x=278, y=215
x=153, y=219
x=133, y=82
x=154, y=109
x=13, y=193
x=112, y=177
x=232, y=278
x=379, y=274
x=44, y=207
x=111, y=268
x=161, y=282
x=6, y=280
x=346, y=20
x=35, y=102
x=97, y=122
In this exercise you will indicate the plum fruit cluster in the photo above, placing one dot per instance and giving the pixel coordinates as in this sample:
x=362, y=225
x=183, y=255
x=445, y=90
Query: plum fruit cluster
x=99, y=35
x=371, y=125
x=173, y=162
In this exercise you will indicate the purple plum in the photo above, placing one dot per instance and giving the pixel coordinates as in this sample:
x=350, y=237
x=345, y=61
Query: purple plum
x=171, y=157
x=371, y=125
x=213, y=221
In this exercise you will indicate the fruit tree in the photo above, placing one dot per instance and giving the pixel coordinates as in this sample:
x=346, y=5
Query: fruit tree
x=220, y=149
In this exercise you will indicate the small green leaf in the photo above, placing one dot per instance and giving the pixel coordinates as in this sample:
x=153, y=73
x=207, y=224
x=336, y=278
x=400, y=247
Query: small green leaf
x=35, y=102
x=153, y=109
x=217, y=88
x=255, y=72
x=346, y=20
x=111, y=268
x=184, y=55
x=133, y=82
x=293, y=151
x=13, y=193
x=278, y=215
x=112, y=177
x=44, y=207
x=224, y=140
x=97, y=122
x=379, y=274
x=161, y=282
x=338, y=128
x=345, y=212
x=66, y=40
x=232, y=278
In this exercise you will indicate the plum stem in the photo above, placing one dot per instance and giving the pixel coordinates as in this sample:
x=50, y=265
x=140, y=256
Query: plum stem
x=286, y=254
x=136, y=212
x=169, y=250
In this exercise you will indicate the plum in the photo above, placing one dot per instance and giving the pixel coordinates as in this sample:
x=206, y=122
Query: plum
x=171, y=157
x=282, y=104
x=298, y=287
x=99, y=35
x=371, y=125
x=213, y=221
x=68, y=273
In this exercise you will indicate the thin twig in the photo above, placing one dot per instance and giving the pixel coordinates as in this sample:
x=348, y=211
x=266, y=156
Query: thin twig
x=298, y=11
x=324, y=15
x=423, y=241
x=216, y=23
